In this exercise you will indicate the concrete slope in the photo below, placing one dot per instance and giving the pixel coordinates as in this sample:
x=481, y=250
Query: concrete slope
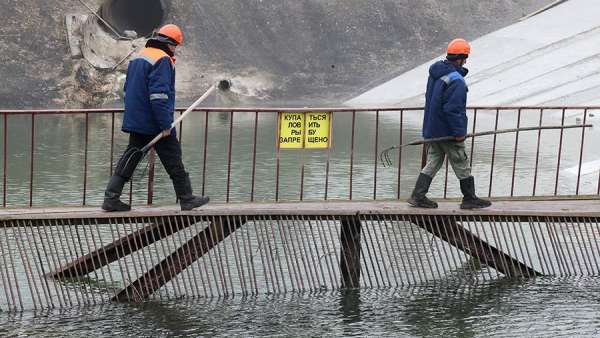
x=549, y=59
x=286, y=52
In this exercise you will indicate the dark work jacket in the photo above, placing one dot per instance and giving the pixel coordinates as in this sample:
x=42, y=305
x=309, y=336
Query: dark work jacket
x=149, y=92
x=445, y=101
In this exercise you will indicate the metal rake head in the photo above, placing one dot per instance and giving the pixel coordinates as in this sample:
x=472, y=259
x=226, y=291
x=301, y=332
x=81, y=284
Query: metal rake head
x=386, y=158
x=129, y=161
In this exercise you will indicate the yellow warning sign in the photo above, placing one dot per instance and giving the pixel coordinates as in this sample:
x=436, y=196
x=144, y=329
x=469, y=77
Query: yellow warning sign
x=298, y=130
x=318, y=130
x=291, y=130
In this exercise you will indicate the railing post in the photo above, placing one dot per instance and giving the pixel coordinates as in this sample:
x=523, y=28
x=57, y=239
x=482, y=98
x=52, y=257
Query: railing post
x=85, y=156
x=151, y=161
x=5, y=159
x=352, y=152
x=32, y=154
x=581, y=151
x=350, y=252
x=400, y=154
x=376, y=152
x=230, y=147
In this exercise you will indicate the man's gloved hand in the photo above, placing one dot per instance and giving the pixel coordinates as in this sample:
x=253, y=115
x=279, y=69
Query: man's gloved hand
x=166, y=132
x=459, y=138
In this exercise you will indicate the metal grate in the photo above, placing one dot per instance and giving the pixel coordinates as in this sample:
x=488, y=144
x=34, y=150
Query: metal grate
x=57, y=263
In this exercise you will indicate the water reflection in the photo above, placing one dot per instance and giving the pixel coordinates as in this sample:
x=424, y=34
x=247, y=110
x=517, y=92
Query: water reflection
x=455, y=306
x=350, y=305
x=556, y=307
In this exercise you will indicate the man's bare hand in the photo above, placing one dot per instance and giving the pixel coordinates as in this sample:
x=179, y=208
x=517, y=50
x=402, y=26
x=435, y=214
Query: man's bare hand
x=459, y=138
x=166, y=132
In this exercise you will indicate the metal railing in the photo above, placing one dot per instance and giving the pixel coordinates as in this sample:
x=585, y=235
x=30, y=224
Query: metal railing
x=50, y=261
x=234, y=156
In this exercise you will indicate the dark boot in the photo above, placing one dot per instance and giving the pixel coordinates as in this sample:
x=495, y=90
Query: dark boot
x=112, y=194
x=191, y=202
x=187, y=200
x=418, y=198
x=470, y=200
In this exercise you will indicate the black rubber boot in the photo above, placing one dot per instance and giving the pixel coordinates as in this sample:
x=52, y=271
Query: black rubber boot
x=187, y=200
x=112, y=194
x=192, y=202
x=418, y=198
x=470, y=200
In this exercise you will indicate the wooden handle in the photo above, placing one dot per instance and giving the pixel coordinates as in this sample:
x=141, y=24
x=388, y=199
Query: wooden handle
x=180, y=118
x=496, y=132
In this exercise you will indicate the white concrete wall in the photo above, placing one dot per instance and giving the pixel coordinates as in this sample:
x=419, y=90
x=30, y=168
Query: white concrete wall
x=549, y=59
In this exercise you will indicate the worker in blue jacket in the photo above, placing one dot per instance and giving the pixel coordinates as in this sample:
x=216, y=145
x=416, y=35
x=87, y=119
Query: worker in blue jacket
x=445, y=115
x=149, y=108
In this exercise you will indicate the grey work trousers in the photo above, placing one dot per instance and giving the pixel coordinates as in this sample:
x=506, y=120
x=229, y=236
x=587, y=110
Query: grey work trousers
x=457, y=156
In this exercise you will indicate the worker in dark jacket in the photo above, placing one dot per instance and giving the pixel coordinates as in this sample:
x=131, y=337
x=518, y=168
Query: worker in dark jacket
x=445, y=115
x=149, y=107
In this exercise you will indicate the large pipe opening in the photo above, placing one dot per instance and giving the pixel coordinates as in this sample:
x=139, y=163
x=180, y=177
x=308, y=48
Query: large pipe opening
x=141, y=16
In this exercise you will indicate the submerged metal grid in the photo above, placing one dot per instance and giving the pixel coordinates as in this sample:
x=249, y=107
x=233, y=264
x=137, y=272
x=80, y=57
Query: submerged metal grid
x=43, y=262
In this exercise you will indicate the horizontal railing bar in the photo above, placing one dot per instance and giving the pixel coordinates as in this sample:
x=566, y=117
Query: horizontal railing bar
x=287, y=109
x=381, y=109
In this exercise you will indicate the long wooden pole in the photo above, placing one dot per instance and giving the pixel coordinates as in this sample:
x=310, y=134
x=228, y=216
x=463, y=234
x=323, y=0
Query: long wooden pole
x=384, y=155
x=491, y=132
x=185, y=113
x=223, y=85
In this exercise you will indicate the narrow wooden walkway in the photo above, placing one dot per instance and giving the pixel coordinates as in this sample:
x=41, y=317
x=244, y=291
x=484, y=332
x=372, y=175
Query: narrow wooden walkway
x=552, y=207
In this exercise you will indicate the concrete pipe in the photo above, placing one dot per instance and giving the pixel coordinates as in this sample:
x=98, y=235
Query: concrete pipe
x=141, y=16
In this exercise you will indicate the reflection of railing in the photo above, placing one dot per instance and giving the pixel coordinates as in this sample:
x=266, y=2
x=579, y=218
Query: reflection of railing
x=397, y=125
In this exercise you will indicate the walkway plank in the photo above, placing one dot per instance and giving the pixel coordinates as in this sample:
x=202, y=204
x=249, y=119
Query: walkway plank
x=569, y=207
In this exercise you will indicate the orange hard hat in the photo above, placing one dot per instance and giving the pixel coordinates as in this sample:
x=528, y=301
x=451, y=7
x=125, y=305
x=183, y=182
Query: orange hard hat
x=459, y=47
x=173, y=33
